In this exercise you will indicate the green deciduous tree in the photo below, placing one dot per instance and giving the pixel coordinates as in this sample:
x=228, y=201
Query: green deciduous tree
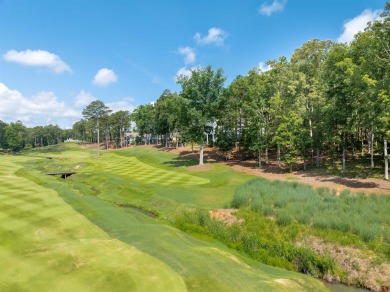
x=308, y=61
x=144, y=118
x=3, y=138
x=15, y=134
x=203, y=91
x=120, y=122
x=96, y=111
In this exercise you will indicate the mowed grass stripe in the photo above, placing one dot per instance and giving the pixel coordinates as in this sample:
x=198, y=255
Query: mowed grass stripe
x=132, y=168
x=47, y=246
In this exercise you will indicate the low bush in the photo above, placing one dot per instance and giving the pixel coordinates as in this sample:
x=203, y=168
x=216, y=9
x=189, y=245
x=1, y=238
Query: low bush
x=284, y=218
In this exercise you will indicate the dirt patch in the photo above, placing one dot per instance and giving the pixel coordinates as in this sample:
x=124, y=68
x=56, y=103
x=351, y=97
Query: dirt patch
x=274, y=172
x=386, y=287
x=226, y=216
x=203, y=167
x=361, y=268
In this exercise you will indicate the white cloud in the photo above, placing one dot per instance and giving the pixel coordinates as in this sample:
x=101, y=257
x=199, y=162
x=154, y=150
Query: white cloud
x=185, y=72
x=123, y=105
x=105, y=77
x=37, y=58
x=357, y=24
x=264, y=67
x=215, y=36
x=84, y=98
x=42, y=108
x=189, y=55
x=268, y=9
x=182, y=71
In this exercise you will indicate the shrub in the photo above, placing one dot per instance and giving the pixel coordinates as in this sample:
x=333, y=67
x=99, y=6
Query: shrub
x=367, y=232
x=281, y=202
x=240, y=199
x=250, y=242
x=284, y=218
x=233, y=233
x=257, y=204
x=303, y=217
x=268, y=211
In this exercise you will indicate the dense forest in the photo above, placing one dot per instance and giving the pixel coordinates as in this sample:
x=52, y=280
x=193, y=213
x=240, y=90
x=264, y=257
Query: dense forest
x=329, y=100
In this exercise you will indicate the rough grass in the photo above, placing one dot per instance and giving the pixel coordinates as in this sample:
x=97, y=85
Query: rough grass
x=365, y=216
x=95, y=192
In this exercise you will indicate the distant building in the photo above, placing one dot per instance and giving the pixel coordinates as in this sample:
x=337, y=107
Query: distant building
x=130, y=138
x=69, y=140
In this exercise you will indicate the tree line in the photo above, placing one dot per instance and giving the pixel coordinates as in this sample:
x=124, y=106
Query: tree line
x=329, y=99
x=16, y=136
x=98, y=119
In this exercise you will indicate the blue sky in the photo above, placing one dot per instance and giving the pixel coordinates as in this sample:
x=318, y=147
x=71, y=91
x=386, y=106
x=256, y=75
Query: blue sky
x=56, y=56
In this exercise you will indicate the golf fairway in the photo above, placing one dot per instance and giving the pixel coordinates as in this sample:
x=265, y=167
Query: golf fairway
x=56, y=235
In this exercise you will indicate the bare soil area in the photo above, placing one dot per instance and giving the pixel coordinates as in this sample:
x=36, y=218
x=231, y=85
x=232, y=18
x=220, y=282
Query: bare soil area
x=360, y=267
x=274, y=172
x=226, y=216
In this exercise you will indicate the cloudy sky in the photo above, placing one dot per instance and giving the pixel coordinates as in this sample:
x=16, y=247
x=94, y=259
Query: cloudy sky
x=56, y=56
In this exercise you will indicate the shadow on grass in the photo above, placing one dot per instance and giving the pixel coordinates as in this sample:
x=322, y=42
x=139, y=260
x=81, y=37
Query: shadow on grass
x=351, y=183
x=187, y=158
x=180, y=161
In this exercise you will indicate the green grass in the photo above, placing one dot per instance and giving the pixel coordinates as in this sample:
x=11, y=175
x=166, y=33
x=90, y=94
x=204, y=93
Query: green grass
x=46, y=245
x=73, y=235
x=366, y=216
x=357, y=220
x=131, y=168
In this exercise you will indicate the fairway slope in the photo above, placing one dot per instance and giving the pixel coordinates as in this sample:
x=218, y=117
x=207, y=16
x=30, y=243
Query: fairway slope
x=133, y=169
x=45, y=245
x=100, y=191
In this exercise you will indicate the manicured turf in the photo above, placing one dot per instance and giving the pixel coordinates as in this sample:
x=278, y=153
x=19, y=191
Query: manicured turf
x=46, y=245
x=132, y=169
x=133, y=250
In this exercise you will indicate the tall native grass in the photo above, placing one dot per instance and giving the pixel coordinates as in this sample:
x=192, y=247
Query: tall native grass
x=259, y=239
x=367, y=216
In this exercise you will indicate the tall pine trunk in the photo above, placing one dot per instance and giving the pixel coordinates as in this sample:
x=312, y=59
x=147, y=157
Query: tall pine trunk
x=386, y=158
x=318, y=158
x=259, y=159
x=107, y=138
x=98, y=138
x=278, y=156
x=344, y=152
x=372, y=146
x=201, y=154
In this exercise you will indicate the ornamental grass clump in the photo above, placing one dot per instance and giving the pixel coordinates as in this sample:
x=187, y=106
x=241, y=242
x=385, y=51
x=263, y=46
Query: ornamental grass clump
x=366, y=216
